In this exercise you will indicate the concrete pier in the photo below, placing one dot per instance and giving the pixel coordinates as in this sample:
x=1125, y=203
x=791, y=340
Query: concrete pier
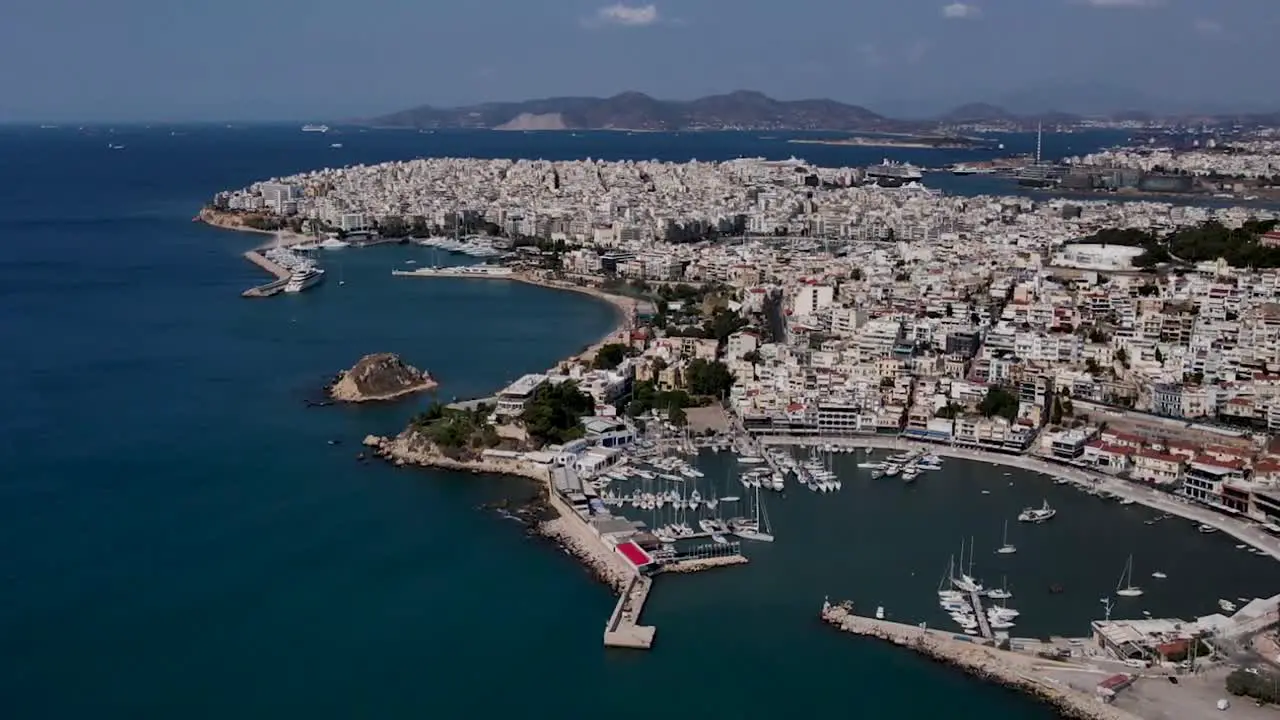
x=984, y=627
x=1011, y=669
x=271, y=288
x=624, y=629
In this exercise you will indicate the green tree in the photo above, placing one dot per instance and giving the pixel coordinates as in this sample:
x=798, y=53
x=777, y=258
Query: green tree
x=554, y=412
x=704, y=377
x=611, y=356
x=676, y=416
x=1001, y=402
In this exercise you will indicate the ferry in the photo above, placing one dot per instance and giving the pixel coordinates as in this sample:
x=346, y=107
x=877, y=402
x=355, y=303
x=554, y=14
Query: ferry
x=302, y=279
x=315, y=128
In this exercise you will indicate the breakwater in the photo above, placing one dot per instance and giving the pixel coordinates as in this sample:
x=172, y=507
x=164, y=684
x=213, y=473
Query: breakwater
x=271, y=288
x=983, y=661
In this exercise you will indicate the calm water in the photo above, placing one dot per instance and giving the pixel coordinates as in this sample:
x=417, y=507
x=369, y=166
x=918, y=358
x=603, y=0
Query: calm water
x=178, y=538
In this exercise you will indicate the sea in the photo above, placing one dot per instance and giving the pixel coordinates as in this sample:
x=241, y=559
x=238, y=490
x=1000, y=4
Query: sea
x=181, y=535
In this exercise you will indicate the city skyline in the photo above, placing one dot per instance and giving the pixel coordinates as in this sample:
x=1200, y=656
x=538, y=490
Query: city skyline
x=140, y=60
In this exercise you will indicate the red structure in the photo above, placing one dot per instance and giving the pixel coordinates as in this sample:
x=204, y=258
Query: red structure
x=635, y=554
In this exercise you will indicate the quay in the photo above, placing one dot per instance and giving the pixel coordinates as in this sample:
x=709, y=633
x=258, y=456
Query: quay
x=1005, y=667
x=624, y=630
x=272, y=288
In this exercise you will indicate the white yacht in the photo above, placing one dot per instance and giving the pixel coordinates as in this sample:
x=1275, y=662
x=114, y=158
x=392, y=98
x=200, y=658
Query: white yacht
x=1037, y=515
x=315, y=128
x=1126, y=588
x=1227, y=606
x=302, y=279
x=333, y=244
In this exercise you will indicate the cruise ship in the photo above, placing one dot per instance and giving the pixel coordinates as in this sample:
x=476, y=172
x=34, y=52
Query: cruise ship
x=315, y=128
x=302, y=279
x=889, y=172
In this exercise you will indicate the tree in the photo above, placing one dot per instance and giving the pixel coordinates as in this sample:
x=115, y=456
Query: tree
x=610, y=356
x=1159, y=356
x=553, y=412
x=1122, y=356
x=676, y=416
x=1001, y=402
x=949, y=411
x=711, y=378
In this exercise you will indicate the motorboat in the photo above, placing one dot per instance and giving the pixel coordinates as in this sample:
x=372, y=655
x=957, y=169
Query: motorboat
x=1158, y=575
x=1037, y=515
x=880, y=612
x=1227, y=606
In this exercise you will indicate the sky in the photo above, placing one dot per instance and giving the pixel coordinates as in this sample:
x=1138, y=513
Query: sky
x=156, y=60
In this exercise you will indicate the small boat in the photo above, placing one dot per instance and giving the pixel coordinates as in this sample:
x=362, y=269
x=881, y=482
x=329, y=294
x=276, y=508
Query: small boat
x=1158, y=575
x=880, y=612
x=1206, y=529
x=1227, y=605
x=1037, y=515
x=1005, y=548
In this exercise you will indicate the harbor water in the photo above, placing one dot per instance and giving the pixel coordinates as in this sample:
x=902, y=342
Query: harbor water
x=179, y=537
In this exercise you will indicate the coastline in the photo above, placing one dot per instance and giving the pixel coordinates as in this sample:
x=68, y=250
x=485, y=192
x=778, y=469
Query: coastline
x=902, y=144
x=230, y=221
x=625, y=309
x=981, y=661
x=1147, y=497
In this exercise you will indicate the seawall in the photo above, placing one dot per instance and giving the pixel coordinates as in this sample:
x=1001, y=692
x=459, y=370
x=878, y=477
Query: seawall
x=1005, y=668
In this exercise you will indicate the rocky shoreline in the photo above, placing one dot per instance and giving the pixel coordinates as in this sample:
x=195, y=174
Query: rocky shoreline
x=544, y=516
x=981, y=661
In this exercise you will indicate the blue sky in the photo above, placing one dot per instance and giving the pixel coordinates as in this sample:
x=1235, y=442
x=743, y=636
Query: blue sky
x=302, y=59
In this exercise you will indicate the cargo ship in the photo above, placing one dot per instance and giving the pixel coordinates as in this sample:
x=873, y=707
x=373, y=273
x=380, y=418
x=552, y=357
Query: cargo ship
x=315, y=128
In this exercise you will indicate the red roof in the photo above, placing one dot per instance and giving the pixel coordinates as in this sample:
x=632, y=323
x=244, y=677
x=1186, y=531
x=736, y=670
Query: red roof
x=634, y=554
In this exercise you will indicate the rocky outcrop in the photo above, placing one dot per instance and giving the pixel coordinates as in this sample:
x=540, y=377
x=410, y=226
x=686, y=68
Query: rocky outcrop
x=381, y=376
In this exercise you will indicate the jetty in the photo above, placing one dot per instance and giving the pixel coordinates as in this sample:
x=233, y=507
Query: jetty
x=272, y=288
x=984, y=627
x=624, y=629
x=1005, y=667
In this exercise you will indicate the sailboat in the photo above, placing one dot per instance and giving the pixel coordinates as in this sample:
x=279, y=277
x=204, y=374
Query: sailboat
x=757, y=528
x=1005, y=548
x=1126, y=588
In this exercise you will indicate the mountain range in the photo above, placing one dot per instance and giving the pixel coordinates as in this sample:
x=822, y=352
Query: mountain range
x=743, y=109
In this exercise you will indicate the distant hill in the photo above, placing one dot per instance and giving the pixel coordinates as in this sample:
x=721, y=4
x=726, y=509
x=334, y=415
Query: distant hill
x=749, y=110
x=637, y=111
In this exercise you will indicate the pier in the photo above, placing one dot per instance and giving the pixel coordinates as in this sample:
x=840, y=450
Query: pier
x=624, y=630
x=984, y=627
x=272, y=288
x=1007, y=668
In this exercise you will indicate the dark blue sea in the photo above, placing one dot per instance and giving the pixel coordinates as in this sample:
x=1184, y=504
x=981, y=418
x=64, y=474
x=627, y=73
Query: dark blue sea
x=178, y=537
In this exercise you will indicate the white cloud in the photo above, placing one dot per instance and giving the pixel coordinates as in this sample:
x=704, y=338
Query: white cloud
x=625, y=15
x=960, y=11
x=1123, y=3
x=1208, y=27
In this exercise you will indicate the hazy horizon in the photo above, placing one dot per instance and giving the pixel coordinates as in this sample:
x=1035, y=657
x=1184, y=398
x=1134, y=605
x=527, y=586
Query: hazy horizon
x=75, y=61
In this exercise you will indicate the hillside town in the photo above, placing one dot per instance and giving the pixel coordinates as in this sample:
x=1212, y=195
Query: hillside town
x=1247, y=158
x=812, y=306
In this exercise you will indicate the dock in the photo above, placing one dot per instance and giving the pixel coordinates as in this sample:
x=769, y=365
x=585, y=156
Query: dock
x=984, y=627
x=624, y=629
x=272, y=288
x=1021, y=672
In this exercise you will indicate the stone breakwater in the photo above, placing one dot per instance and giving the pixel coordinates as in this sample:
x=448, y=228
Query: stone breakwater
x=1005, y=668
x=560, y=530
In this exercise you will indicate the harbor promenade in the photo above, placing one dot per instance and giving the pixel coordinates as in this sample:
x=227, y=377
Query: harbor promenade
x=1245, y=532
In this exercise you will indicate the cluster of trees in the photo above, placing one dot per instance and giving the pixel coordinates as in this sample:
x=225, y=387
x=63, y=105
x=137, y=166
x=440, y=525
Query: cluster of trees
x=554, y=412
x=645, y=396
x=999, y=402
x=611, y=356
x=456, y=429
x=708, y=378
x=1260, y=686
x=1209, y=241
